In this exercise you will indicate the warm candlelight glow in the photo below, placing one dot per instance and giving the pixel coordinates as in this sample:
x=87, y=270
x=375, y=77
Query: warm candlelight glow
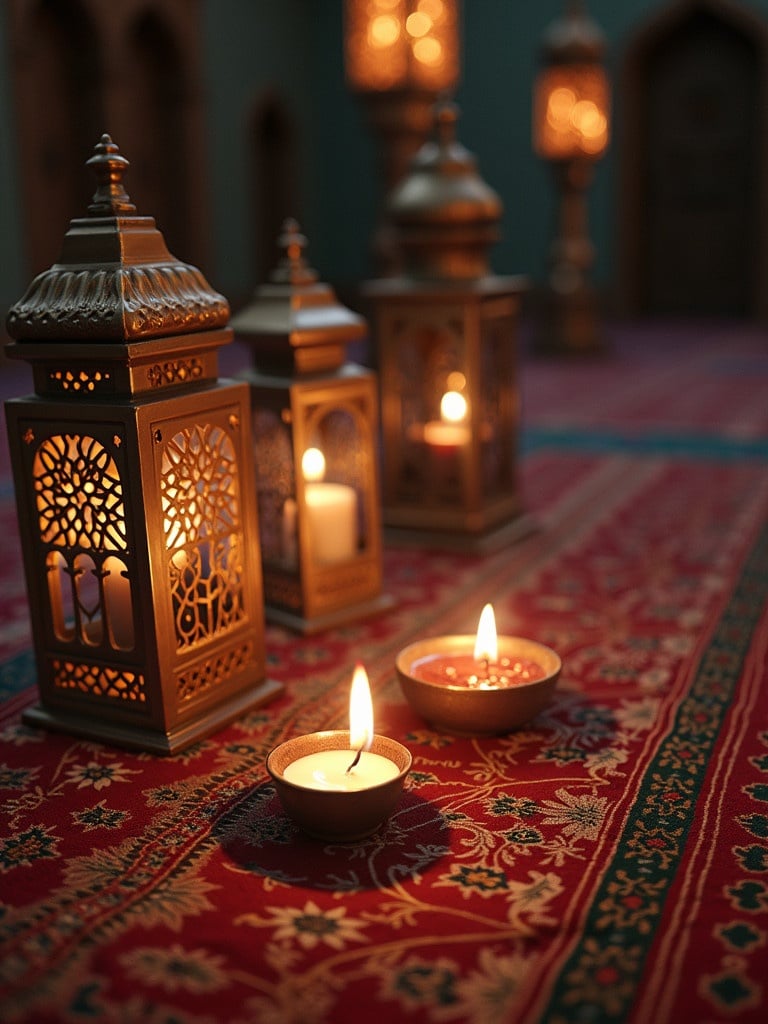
x=360, y=711
x=453, y=407
x=486, y=644
x=571, y=113
x=313, y=464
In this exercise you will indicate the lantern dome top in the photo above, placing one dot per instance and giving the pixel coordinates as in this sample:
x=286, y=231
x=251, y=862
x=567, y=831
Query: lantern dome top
x=573, y=38
x=295, y=322
x=115, y=279
x=445, y=215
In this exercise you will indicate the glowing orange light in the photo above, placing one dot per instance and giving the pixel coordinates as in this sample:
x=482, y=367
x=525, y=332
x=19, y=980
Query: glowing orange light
x=418, y=24
x=428, y=51
x=383, y=31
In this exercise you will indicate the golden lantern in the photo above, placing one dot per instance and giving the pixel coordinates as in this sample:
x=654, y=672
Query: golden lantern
x=315, y=421
x=400, y=55
x=446, y=338
x=133, y=482
x=571, y=111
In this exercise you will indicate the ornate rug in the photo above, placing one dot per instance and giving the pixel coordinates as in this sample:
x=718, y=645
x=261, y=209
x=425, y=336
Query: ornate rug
x=606, y=863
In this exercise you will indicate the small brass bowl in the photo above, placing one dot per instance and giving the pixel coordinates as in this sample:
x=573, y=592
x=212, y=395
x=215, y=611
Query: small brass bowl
x=467, y=711
x=333, y=816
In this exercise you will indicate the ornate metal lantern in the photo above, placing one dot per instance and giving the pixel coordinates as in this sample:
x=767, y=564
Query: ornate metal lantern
x=315, y=426
x=134, y=489
x=400, y=55
x=446, y=337
x=571, y=110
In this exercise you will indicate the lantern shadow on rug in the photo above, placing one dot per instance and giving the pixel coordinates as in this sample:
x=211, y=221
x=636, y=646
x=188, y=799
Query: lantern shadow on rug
x=261, y=839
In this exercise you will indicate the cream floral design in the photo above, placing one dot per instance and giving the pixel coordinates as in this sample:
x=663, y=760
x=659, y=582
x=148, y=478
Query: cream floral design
x=580, y=816
x=99, y=775
x=309, y=925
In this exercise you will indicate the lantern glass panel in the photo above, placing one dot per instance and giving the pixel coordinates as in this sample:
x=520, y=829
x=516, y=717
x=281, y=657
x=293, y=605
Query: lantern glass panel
x=570, y=117
x=392, y=44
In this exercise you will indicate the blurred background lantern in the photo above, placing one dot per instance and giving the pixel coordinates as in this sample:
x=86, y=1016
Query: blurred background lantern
x=133, y=483
x=571, y=111
x=400, y=55
x=446, y=338
x=315, y=422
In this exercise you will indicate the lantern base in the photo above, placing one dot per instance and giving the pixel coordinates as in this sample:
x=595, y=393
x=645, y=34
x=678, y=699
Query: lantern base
x=328, y=620
x=485, y=543
x=148, y=740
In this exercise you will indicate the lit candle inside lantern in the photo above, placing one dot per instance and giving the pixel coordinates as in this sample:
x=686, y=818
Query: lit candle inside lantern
x=351, y=769
x=331, y=512
x=451, y=429
x=483, y=668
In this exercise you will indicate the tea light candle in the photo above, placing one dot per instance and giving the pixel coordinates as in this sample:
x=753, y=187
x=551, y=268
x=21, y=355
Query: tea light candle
x=347, y=770
x=329, y=769
x=331, y=512
x=483, y=669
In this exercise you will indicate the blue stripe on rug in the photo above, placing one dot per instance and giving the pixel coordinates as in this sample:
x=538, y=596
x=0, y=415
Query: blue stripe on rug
x=695, y=446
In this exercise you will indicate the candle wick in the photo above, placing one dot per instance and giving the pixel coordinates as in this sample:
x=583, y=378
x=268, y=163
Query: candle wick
x=357, y=758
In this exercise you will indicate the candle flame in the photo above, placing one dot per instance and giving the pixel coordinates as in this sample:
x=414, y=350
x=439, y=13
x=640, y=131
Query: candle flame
x=486, y=645
x=313, y=465
x=360, y=711
x=453, y=407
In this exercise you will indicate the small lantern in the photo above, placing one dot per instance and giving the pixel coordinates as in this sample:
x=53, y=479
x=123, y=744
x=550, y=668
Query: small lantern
x=571, y=109
x=315, y=426
x=446, y=337
x=400, y=55
x=134, y=489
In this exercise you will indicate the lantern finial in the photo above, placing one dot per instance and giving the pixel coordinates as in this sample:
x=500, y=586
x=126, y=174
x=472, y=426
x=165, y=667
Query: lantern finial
x=446, y=115
x=109, y=166
x=293, y=268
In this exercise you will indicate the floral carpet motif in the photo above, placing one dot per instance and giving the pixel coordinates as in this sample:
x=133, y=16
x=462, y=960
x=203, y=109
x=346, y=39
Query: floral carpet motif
x=606, y=863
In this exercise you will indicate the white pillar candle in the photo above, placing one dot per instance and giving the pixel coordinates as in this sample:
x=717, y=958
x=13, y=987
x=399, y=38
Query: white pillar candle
x=332, y=521
x=327, y=769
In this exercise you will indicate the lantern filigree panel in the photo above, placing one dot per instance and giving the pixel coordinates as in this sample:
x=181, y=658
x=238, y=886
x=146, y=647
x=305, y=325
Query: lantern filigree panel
x=317, y=486
x=196, y=494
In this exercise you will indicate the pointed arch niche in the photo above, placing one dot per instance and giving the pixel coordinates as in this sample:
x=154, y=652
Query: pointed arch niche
x=59, y=81
x=693, y=236
x=132, y=68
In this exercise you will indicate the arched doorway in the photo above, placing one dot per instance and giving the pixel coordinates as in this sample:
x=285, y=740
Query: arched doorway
x=694, y=216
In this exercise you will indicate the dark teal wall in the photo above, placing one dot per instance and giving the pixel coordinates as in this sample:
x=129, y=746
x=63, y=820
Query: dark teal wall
x=294, y=48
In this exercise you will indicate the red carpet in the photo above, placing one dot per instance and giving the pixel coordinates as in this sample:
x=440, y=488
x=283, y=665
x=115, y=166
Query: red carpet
x=607, y=863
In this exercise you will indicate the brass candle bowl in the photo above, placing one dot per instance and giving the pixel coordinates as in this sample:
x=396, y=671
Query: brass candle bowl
x=477, y=711
x=330, y=815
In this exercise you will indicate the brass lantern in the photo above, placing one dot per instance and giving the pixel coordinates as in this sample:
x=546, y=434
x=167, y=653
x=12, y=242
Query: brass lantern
x=133, y=482
x=571, y=109
x=400, y=55
x=315, y=421
x=446, y=338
